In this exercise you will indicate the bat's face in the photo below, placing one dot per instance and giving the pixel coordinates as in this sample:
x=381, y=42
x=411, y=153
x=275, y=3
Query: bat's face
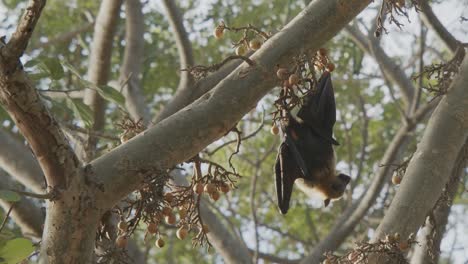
x=334, y=188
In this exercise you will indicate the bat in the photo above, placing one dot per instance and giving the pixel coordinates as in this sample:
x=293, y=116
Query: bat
x=306, y=156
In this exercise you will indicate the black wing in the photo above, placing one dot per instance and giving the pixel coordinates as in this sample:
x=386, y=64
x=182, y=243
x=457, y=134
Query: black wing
x=319, y=110
x=287, y=172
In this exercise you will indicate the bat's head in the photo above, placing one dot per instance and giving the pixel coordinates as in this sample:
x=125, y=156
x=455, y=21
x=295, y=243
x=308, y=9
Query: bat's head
x=334, y=188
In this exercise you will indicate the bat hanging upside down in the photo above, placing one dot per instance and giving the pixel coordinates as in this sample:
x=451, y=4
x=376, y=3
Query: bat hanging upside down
x=306, y=156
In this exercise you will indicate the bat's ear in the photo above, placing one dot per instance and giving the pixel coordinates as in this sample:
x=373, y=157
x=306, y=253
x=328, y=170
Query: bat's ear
x=326, y=202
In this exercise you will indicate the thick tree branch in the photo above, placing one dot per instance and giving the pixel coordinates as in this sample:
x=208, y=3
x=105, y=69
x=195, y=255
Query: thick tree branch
x=372, y=47
x=100, y=61
x=183, y=98
x=22, y=101
x=433, y=232
x=17, y=160
x=184, y=134
x=432, y=22
x=18, y=43
x=133, y=57
x=432, y=163
x=345, y=225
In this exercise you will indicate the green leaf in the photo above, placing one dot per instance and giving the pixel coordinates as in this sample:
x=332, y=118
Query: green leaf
x=38, y=76
x=54, y=67
x=16, y=250
x=82, y=111
x=9, y=196
x=71, y=68
x=47, y=67
x=112, y=95
x=32, y=63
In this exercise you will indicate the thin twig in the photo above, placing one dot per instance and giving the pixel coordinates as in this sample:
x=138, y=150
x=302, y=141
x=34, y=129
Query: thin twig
x=6, y=217
x=210, y=153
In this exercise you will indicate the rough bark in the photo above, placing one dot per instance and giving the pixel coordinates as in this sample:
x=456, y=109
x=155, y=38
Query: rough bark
x=23, y=103
x=133, y=58
x=432, y=163
x=431, y=235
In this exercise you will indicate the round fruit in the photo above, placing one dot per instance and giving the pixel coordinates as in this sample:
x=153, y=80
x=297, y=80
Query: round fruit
x=152, y=228
x=282, y=73
x=274, y=129
x=400, y=3
x=293, y=79
x=209, y=188
x=255, y=43
x=403, y=245
x=241, y=50
x=390, y=238
x=170, y=219
x=198, y=188
x=330, y=67
x=181, y=233
x=121, y=241
x=397, y=236
x=396, y=179
x=169, y=197
x=224, y=187
x=166, y=211
x=218, y=33
x=160, y=243
x=124, y=138
x=122, y=225
x=215, y=195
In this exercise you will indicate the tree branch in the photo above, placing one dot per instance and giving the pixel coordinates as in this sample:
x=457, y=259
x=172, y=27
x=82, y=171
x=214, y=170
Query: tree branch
x=434, y=230
x=133, y=57
x=22, y=101
x=432, y=162
x=431, y=21
x=18, y=43
x=184, y=46
x=100, y=62
x=16, y=159
x=389, y=68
